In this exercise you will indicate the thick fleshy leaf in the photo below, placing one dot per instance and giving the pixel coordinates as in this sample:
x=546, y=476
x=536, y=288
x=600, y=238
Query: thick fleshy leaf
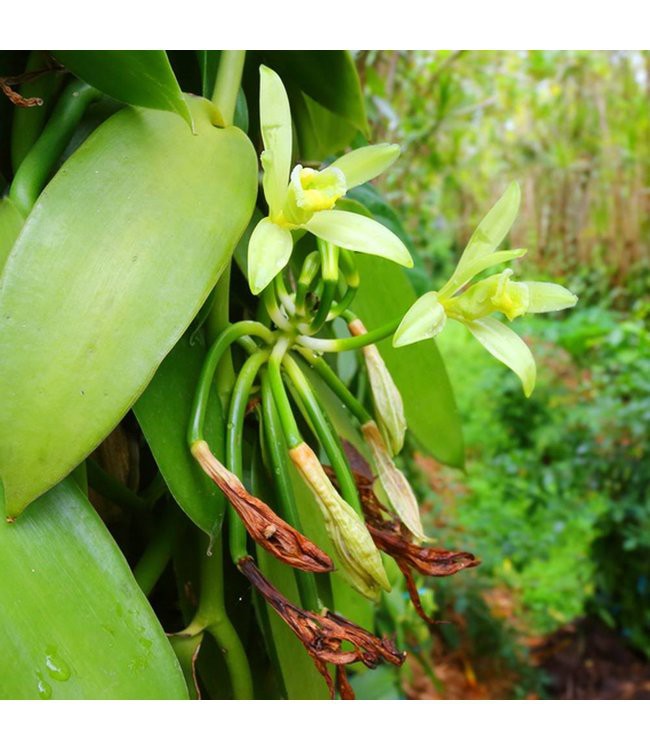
x=419, y=372
x=11, y=222
x=269, y=250
x=328, y=76
x=546, y=297
x=320, y=133
x=143, y=78
x=366, y=163
x=467, y=271
x=275, y=123
x=490, y=233
x=424, y=320
x=359, y=233
x=114, y=261
x=506, y=346
x=73, y=621
x=163, y=412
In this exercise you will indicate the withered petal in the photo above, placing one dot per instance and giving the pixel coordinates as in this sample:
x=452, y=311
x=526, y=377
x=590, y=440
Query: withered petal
x=323, y=635
x=264, y=525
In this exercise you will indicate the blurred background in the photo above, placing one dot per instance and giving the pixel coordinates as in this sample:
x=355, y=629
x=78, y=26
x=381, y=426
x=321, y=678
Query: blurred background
x=554, y=499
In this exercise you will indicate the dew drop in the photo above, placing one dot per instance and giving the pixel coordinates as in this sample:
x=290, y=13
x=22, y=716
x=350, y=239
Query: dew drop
x=44, y=689
x=57, y=668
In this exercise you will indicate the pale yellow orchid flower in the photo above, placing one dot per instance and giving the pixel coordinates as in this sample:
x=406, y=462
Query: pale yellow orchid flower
x=305, y=198
x=474, y=306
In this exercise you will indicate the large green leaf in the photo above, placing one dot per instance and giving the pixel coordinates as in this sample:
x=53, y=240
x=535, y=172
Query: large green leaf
x=327, y=76
x=418, y=370
x=163, y=412
x=11, y=222
x=143, y=78
x=73, y=622
x=115, y=260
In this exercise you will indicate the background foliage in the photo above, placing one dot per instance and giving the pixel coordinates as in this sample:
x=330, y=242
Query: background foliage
x=555, y=498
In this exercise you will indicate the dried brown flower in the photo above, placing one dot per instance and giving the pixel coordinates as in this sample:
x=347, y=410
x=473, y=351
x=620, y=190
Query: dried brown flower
x=262, y=523
x=393, y=538
x=323, y=635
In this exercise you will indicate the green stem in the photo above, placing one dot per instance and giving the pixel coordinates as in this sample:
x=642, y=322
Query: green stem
x=354, y=342
x=226, y=87
x=234, y=440
x=217, y=321
x=37, y=166
x=216, y=351
x=335, y=384
x=158, y=552
x=273, y=309
x=213, y=617
x=326, y=435
x=28, y=123
x=329, y=254
x=308, y=272
x=283, y=294
x=277, y=448
x=287, y=420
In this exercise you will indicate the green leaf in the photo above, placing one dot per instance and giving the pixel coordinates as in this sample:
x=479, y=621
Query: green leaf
x=320, y=133
x=327, y=76
x=11, y=222
x=73, y=622
x=143, y=78
x=163, y=412
x=115, y=260
x=418, y=370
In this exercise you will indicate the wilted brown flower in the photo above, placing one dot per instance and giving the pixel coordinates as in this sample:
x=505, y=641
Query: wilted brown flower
x=393, y=538
x=323, y=635
x=266, y=527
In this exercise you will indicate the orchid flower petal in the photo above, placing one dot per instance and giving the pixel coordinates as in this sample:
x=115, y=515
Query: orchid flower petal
x=506, y=346
x=490, y=232
x=269, y=250
x=424, y=320
x=275, y=123
x=546, y=297
x=366, y=163
x=359, y=233
x=469, y=270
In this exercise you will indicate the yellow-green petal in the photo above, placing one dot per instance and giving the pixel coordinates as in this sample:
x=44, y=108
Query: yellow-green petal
x=269, y=250
x=465, y=272
x=275, y=123
x=546, y=297
x=366, y=163
x=506, y=346
x=425, y=319
x=359, y=233
x=490, y=233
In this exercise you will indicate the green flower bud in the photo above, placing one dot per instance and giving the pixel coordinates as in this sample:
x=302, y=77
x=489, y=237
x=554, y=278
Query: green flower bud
x=359, y=558
x=389, y=408
x=396, y=485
